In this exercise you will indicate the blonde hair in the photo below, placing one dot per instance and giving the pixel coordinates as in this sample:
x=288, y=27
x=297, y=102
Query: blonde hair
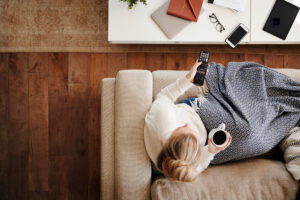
x=180, y=157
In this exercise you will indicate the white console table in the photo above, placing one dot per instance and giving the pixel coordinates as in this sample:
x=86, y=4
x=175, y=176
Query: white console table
x=136, y=25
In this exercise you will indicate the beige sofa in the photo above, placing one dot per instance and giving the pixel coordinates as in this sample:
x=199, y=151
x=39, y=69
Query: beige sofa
x=125, y=165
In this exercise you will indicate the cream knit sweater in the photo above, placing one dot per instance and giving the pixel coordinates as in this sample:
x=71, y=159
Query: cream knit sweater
x=165, y=116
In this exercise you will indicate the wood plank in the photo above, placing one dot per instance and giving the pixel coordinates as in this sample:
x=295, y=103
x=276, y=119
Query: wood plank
x=58, y=65
x=58, y=98
x=116, y=62
x=77, y=146
x=258, y=58
x=78, y=158
x=18, y=126
x=78, y=65
x=58, y=102
x=155, y=61
x=58, y=178
x=233, y=57
x=4, y=136
x=38, y=63
x=39, y=195
x=176, y=61
x=217, y=58
x=97, y=71
x=38, y=123
x=93, y=153
x=292, y=61
x=136, y=61
x=191, y=58
x=3, y=62
x=274, y=61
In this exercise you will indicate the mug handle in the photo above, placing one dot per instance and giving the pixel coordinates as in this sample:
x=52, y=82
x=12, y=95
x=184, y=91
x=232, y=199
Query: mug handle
x=222, y=127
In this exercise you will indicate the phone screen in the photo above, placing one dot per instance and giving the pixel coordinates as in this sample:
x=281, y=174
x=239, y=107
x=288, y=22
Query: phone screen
x=237, y=35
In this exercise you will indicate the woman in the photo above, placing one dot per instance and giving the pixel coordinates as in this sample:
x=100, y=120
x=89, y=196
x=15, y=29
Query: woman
x=175, y=135
x=258, y=105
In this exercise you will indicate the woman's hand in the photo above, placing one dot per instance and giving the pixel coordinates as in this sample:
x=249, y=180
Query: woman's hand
x=190, y=76
x=214, y=149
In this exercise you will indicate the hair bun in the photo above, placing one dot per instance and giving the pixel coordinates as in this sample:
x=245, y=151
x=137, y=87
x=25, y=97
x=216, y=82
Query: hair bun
x=180, y=157
x=178, y=169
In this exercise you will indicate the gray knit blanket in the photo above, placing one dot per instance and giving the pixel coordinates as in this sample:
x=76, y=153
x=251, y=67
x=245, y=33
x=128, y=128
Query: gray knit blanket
x=258, y=105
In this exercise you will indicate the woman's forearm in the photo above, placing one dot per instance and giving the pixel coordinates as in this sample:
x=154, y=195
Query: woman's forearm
x=174, y=90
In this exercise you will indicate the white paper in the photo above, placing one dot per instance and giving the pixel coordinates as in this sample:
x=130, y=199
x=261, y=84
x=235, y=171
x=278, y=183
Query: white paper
x=297, y=3
x=238, y=5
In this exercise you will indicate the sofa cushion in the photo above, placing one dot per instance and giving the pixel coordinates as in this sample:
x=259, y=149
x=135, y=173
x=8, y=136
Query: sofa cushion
x=249, y=179
x=133, y=99
x=292, y=73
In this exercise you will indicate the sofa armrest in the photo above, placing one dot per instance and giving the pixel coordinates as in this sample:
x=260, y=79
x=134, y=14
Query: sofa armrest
x=107, y=138
x=133, y=99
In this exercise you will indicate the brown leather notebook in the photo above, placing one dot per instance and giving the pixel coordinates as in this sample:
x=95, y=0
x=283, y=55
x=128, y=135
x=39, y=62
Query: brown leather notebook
x=186, y=9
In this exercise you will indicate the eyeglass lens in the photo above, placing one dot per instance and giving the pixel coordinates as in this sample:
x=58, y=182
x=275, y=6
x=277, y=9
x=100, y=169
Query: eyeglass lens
x=213, y=19
x=219, y=27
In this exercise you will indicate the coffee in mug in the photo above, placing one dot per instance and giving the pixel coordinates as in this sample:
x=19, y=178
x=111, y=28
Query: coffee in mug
x=219, y=136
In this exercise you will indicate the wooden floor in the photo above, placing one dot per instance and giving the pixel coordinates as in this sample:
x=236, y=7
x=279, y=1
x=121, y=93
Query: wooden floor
x=50, y=110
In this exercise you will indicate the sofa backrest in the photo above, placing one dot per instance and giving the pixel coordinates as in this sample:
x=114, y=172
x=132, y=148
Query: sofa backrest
x=162, y=78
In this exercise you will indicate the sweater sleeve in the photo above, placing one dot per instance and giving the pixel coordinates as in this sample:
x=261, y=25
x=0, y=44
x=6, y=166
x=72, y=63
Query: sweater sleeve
x=174, y=90
x=207, y=157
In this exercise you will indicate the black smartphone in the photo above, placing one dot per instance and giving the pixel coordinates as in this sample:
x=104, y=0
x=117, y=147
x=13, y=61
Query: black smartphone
x=237, y=35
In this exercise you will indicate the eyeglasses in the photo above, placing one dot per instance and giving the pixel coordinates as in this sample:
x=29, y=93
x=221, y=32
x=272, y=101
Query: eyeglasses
x=213, y=19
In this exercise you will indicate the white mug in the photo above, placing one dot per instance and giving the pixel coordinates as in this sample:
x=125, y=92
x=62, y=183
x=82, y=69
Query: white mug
x=221, y=128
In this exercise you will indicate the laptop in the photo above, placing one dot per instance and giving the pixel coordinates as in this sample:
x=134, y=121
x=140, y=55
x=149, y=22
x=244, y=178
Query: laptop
x=170, y=25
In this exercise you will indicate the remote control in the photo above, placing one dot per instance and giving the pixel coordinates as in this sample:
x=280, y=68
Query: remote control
x=201, y=70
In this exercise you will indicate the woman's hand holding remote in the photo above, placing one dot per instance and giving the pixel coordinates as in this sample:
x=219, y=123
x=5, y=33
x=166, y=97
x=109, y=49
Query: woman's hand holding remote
x=214, y=149
x=190, y=76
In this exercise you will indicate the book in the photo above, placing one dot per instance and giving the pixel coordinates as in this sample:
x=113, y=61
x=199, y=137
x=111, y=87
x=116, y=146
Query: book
x=186, y=9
